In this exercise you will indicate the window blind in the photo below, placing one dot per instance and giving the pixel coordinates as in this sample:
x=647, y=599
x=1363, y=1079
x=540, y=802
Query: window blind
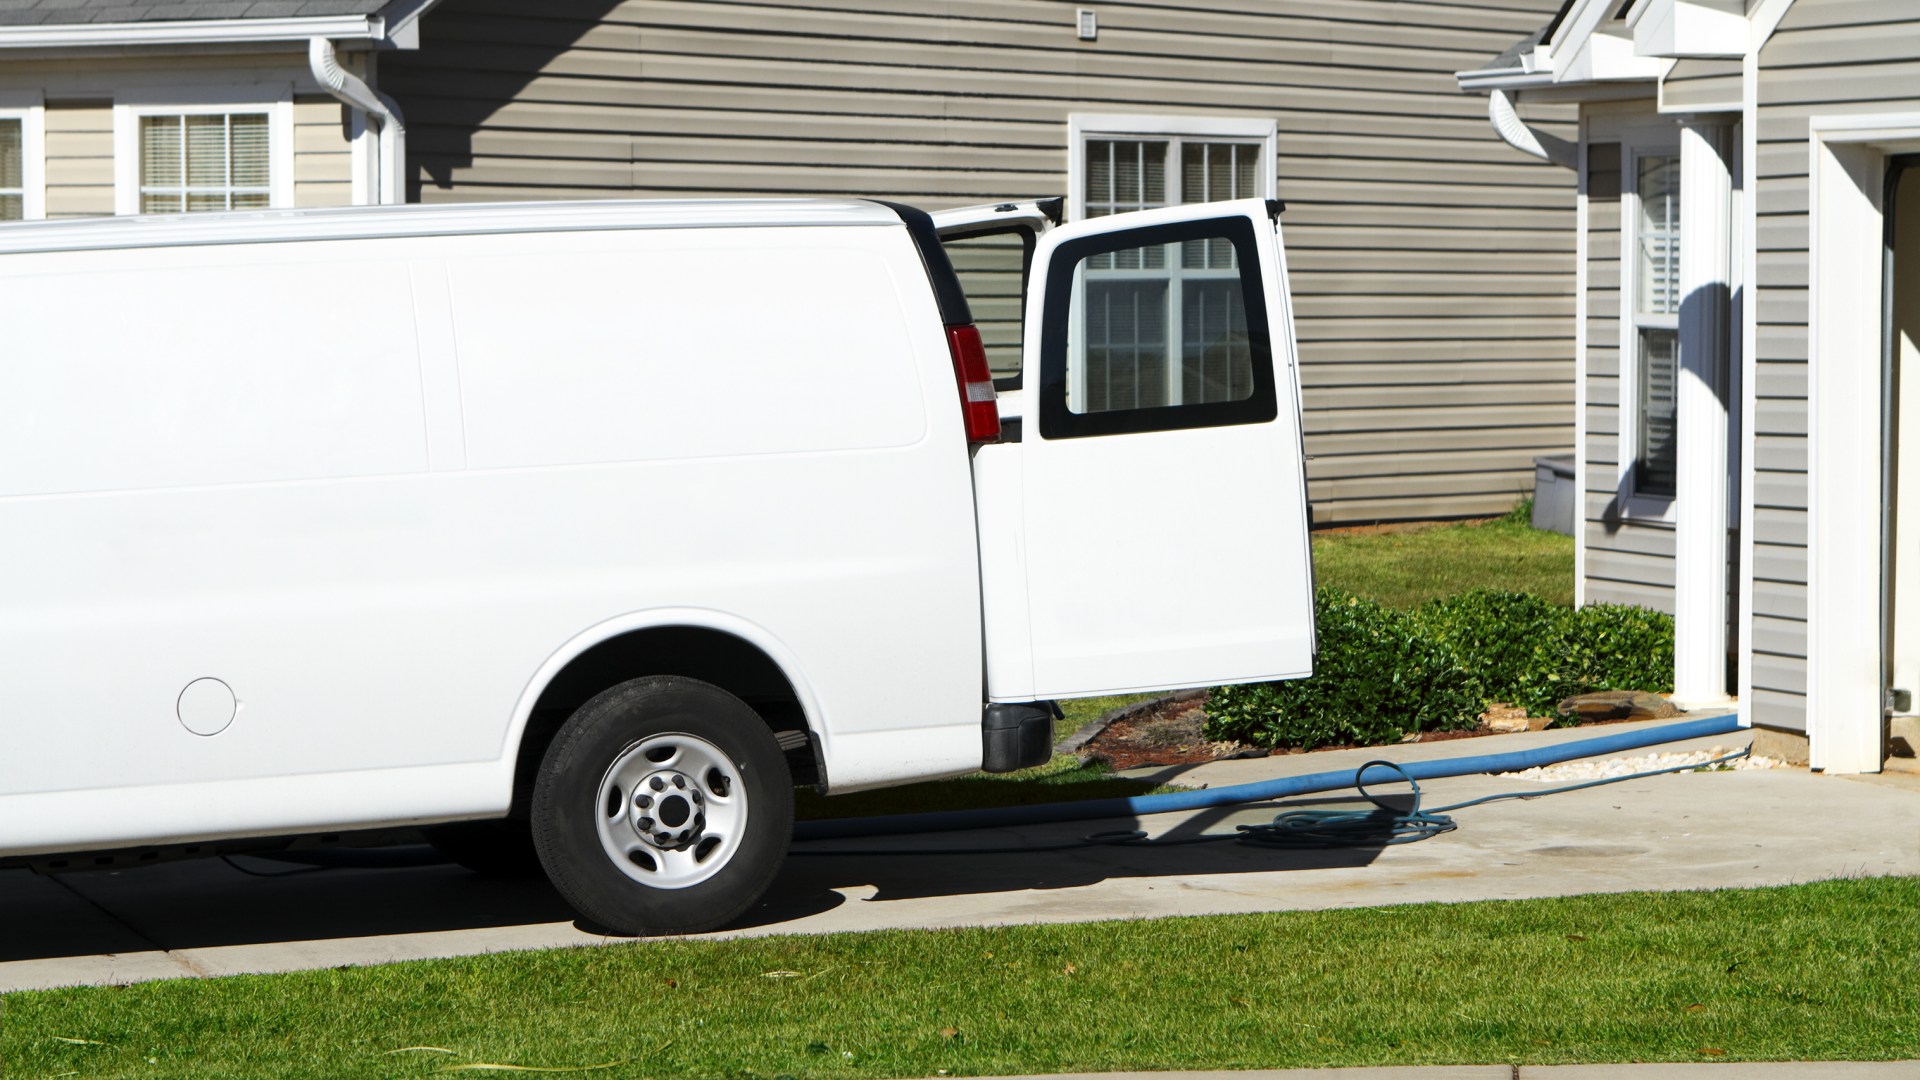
x=196, y=162
x=12, y=170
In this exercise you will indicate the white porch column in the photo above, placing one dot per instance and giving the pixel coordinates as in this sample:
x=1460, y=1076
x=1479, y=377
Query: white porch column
x=1700, y=531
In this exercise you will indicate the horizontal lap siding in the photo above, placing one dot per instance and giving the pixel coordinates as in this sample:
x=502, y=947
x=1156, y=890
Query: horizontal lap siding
x=79, y=158
x=322, y=154
x=1694, y=83
x=1628, y=560
x=1432, y=265
x=1827, y=57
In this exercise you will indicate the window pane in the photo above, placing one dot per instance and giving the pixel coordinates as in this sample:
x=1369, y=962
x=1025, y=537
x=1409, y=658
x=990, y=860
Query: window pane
x=1216, y=357
x=250, y=201
x=1146, y=332
x=12, y=153
x=197, y=202
x=249, y=147
x=207, y=151
x=155, y=203
x=1656, y=457
x=12, y=208
x=1659, y=236
x=1126, y=345
x=160, y=151
x=1124, y=175
x=991, y=270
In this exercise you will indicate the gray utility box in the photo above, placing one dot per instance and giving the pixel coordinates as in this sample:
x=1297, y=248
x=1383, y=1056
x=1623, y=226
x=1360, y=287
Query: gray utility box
x=1554, y=496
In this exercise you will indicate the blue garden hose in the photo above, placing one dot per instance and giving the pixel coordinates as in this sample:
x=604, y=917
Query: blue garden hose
x=1261, y=791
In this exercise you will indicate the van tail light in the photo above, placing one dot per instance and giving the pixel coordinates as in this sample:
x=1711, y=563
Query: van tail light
x=978, y=403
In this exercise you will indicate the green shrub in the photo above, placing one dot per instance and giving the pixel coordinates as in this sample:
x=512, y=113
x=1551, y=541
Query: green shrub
x=1377, y=678
x=1383, y=672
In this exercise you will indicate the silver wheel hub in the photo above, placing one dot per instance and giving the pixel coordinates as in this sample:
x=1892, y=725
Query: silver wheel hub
x=672, y=810
x=667, y=811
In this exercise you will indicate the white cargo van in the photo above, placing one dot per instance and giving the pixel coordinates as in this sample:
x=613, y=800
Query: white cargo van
x=594, y=528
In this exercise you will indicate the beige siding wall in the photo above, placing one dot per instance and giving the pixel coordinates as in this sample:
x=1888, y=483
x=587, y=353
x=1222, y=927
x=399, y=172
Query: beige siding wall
x=1628, y=560
x=79, y=158
x=80, y=94
x=1828, y=56
x=322, y=153
x=1432, y=265
x=1707, y=84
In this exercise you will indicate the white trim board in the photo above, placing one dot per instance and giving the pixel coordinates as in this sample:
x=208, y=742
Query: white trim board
x=210, y=100
x=1847, y=157
x=193, y=32
x=32, y=114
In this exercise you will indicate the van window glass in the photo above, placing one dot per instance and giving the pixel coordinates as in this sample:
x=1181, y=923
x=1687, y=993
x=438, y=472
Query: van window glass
x=1159, y=322
x=992, y=269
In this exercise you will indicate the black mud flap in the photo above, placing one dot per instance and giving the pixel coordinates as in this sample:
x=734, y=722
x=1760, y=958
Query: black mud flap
x=1016, y=736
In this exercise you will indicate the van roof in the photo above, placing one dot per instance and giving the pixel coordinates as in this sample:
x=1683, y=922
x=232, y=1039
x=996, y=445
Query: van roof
x=448, y=219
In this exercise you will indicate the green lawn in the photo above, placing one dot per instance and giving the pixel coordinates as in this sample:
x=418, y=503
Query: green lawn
x=1802, y=972
x=1402, y=569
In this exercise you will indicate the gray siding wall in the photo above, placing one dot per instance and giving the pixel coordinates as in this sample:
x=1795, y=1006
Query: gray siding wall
x=1433, y=267
x=1696, y=83
x=1828, y=56
x=1629, y=560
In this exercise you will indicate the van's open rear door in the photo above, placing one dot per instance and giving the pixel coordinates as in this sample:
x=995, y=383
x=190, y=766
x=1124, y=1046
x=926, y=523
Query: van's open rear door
x=1149, y=530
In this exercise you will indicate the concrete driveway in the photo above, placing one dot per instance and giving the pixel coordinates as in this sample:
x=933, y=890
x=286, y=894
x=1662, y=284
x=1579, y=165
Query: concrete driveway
x=1691, y=831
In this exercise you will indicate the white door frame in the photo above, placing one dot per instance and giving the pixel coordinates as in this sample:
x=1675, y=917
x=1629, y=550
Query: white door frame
x=1845, y=665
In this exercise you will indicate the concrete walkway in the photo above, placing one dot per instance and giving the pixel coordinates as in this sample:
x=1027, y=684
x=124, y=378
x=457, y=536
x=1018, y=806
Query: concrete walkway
x=1692, y=831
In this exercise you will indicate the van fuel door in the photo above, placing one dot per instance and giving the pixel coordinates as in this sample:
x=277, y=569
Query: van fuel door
x=1159, y=496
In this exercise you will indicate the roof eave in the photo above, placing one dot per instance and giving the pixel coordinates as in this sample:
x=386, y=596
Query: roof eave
x=372, y=28
x=1483, y=80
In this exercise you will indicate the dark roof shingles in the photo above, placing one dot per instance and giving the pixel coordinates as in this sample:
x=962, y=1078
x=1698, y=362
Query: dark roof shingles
x=69, y=12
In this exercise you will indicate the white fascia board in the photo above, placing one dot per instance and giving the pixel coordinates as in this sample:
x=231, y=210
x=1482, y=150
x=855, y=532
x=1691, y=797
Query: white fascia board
x=203, y=32
x=1610, y=58
x=403, y=22
x=1580, y=23
x=1676, y=28
x=1482, y=80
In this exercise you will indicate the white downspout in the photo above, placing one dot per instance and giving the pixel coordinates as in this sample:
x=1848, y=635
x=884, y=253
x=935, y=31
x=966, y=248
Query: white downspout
x=391, y=156
x=1525, y=139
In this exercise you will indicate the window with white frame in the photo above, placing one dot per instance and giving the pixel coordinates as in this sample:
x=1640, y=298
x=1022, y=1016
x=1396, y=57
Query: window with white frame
x=204, y=161
x=1161, y=322
x=1655, y=322
x=13, y=168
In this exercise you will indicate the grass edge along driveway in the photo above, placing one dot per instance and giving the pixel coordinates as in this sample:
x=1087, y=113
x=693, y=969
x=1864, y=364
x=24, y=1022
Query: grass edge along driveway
x=1803, y=972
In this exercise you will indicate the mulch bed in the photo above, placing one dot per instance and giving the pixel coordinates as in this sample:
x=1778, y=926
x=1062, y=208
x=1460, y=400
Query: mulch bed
x=1170, y=734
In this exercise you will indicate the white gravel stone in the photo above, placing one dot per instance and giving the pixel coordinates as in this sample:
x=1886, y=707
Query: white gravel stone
x=1612, y=768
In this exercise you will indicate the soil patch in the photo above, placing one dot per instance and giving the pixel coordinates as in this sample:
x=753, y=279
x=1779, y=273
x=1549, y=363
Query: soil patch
x=1171, y=733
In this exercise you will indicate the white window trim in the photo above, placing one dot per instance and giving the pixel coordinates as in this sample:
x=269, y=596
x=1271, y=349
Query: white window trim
x=1636, y=143
x=1084, y=126
x=30, y=110
x=129, y=108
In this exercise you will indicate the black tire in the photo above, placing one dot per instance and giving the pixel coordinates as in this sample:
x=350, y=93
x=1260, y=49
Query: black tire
x=498, y=848
x=571, y=812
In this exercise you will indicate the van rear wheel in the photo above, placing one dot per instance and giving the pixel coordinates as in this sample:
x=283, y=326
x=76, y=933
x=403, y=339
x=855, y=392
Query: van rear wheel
x=663, y=806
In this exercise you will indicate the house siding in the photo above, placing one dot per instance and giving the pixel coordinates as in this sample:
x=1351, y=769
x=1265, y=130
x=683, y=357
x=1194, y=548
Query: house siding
x=1433, y=266
x=80, y=97
x=1701, y=84
x=1629, y=560
x=1826, y=57
x=322, y=153
x=79, y=158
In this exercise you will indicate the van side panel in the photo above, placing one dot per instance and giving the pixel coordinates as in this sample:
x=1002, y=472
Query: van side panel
x=380, y=617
